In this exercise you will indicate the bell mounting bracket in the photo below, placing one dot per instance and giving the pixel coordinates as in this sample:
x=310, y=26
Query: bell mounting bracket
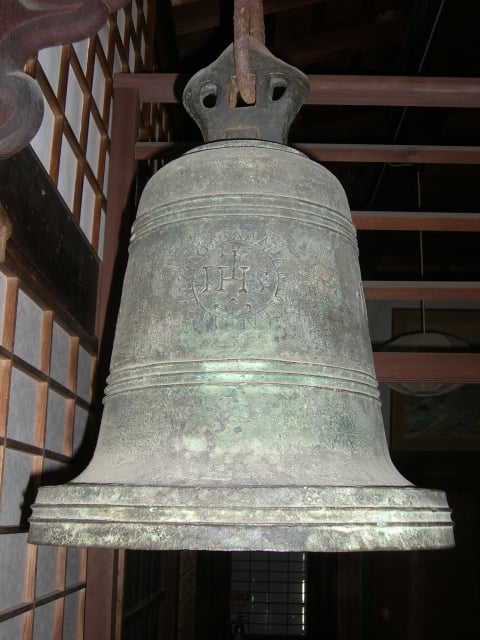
x=213, y=100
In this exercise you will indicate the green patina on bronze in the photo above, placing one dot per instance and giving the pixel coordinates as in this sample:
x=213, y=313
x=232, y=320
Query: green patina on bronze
x=242, y=408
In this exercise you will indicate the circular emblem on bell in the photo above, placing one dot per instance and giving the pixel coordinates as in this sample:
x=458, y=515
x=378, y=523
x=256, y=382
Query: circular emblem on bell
x=237, y=279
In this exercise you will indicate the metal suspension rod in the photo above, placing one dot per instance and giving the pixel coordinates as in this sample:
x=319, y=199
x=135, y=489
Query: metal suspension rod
x=257, y=25
x=247, y=21
x=422, y=270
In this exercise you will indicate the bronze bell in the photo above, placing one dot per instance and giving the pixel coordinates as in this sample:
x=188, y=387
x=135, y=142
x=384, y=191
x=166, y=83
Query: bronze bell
x=242, y=410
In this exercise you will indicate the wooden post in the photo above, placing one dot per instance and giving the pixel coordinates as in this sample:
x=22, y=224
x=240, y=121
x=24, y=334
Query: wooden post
x=102, y=564
x=121, y=175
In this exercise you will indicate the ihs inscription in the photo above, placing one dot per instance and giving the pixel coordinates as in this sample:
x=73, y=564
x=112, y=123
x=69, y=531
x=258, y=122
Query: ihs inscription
x=237, y=279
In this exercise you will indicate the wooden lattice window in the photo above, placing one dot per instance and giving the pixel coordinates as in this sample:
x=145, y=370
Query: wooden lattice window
x=77, y=82
x=268, y=593
x=46, y=363
x=46, y=374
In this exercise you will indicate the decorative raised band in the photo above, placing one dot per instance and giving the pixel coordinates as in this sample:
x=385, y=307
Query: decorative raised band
x=290, y=518
x=135, y=376
x=309, y=505
x=257, y=206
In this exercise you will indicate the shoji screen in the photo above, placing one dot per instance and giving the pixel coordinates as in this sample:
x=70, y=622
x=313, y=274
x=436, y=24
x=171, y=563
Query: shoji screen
x=46, y=364
x=45, y=379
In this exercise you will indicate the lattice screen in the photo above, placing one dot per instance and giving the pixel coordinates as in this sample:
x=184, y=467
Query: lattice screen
x=45, y=380
x=268, y=593
x=77, y=80
x=45, y=369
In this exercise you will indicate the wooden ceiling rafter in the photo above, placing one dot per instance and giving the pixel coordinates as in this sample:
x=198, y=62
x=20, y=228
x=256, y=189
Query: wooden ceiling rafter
x=367, y=37
x=195, y=16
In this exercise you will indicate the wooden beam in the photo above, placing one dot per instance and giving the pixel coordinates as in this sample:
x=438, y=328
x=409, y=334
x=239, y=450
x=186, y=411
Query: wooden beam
x=393, y=91
x=404, y=154
x=462, y=368
x=102, y=564
x=146, y=150
x=151, y=87
x=344, y=152
x=415, y=221
x=426, y=290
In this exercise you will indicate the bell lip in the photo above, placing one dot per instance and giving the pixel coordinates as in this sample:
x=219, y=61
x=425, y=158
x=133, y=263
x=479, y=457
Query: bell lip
x=224, y=538
x=226, y=519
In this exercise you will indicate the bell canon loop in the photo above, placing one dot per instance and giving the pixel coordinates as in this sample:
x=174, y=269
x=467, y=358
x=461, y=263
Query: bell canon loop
x=242, y=410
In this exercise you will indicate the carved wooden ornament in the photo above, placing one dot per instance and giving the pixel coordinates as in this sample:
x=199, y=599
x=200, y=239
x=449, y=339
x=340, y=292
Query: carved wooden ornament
x=26, y=26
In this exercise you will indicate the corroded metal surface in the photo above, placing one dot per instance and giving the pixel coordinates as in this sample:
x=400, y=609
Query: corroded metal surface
x=242, y=410
x=236, y=518
x=212, y=97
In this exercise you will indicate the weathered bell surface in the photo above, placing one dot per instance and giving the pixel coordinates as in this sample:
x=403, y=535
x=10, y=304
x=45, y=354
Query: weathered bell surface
x=242, y=409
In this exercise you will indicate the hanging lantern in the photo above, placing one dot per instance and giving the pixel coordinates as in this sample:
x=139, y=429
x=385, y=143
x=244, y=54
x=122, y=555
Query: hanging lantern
x=242, y=409
x=425, y=341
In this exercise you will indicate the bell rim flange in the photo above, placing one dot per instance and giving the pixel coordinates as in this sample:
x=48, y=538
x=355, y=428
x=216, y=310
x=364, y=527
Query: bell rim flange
x=234, y=538
x=409, y=518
